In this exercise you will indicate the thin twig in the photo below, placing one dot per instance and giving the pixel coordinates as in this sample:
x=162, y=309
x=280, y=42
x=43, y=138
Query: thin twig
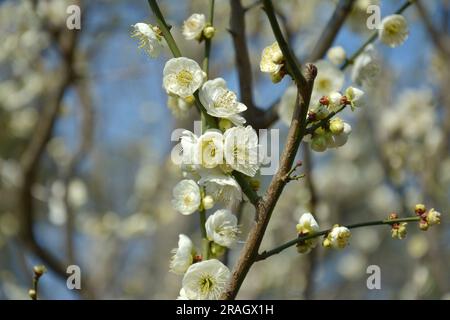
x=266, y=254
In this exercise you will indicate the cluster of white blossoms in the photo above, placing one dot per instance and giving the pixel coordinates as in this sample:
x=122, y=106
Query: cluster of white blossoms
x=207, y=160
x=307, y=226
x=336, y=132
x=427, y=218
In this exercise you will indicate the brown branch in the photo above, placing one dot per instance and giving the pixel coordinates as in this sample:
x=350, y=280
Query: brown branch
x=243, y=64
x=86, y=135
x=331, y=30
x=265, y=207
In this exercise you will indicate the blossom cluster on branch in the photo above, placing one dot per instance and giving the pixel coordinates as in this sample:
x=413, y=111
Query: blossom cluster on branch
x=228, y=147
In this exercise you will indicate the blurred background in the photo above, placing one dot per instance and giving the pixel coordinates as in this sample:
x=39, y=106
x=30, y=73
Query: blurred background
x=86, y=176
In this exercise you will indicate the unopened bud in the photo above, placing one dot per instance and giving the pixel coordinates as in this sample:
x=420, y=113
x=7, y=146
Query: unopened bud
x=189, y=99
x=423, y=225
x=39, y=270
x=32, y=294
x=324, y=101
x=420, y=209
x=217, y=250
x=209, y=32
x=336, y=126
x=319, y=144
x=393, y=216
x=225, y=124
x=208, y=202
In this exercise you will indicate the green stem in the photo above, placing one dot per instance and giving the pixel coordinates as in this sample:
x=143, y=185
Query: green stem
x=164, y=29
x=266, y=254
x=292, y=64
x=246, y=188
x=208, y=41
x=205, y=241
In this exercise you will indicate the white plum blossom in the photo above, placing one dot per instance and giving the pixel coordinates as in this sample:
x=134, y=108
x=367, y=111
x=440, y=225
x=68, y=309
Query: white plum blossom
x=182, y=77
x=366, y=66
x=210, y=148
x=221, y=102
x=241, y=150
x=329, y=79
x=206, y=280
x=433, y=217
x=287, y=105
x=221, y=186
x=189, y=142
x=394, y=30
x=183, y=256
x=354, y=96
x=186, y=197
x=337, y=238
x=179, y=107
x=272, y=62
x=149, y=40
x=336, y=55
x=307, y=225
x=221, y=227
x=193, y=26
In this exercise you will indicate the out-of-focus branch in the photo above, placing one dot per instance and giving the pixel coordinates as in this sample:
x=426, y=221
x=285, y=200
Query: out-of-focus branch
x=31, y=157
x=85, y=143
x=244, y=69
x=313, y=198
x=440, y=40
x=331, y=30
